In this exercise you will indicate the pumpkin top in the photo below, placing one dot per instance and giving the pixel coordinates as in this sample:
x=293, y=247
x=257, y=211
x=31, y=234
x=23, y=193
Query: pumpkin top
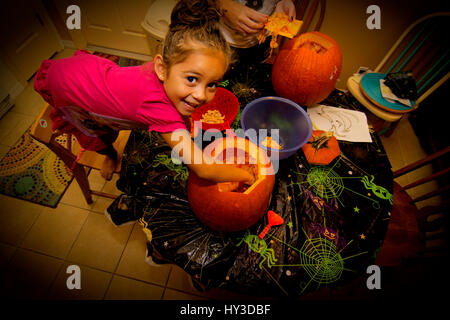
x=321, y=141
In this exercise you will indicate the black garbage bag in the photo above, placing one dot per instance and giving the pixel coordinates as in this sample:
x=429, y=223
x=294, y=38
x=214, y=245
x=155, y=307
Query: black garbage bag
x=402, y=84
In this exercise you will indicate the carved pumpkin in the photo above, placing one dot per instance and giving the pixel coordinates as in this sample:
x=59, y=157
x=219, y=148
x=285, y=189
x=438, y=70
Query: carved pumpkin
x=222, y=206
x=306, y=68
x=322, y=147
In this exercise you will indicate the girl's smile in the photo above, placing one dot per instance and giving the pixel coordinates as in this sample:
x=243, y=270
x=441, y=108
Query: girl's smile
x=193, y=82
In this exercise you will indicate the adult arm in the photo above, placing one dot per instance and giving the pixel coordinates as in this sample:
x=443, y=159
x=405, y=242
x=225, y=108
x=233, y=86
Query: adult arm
x=241, y=17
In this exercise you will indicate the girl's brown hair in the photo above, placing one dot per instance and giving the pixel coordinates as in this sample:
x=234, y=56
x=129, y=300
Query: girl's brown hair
x=193, y=21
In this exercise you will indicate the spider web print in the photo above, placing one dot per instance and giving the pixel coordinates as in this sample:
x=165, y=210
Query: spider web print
x=320, y=260
x=327, y=184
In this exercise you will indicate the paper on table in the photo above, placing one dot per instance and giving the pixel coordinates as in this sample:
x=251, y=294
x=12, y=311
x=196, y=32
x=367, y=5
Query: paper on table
x=347, y=125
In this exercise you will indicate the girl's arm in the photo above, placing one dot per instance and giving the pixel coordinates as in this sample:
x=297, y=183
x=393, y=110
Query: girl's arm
x=189, y=152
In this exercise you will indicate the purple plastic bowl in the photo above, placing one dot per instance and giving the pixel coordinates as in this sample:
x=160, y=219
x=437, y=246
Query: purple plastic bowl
x=294, y=124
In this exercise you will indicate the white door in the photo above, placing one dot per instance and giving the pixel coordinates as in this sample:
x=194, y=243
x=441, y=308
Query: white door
x=112, y=24
x=27, y=37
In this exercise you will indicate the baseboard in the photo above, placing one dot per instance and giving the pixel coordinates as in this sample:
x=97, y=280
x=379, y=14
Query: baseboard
x=68, y=44
x=15, y=91
x=121, y=53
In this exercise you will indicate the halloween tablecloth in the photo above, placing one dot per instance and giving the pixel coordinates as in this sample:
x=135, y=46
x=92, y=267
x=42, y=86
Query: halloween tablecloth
x=335, y=219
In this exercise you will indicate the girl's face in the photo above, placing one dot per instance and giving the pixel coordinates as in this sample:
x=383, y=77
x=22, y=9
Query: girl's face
x=194, y=81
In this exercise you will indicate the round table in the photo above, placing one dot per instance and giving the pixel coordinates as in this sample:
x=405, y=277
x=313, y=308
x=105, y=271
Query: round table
x=335, y=217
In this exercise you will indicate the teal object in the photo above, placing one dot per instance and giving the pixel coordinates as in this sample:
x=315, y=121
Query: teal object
x=370, y=83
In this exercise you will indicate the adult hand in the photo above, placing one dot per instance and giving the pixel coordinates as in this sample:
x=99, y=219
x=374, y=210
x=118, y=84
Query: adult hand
x=286, y=7
x=242, y=18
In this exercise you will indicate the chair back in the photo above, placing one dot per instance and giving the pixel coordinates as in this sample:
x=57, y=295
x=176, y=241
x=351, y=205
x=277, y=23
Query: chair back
x=422, y=48
x=41, y=130
x=432, y=219
x=309, y=12
x=441, y=170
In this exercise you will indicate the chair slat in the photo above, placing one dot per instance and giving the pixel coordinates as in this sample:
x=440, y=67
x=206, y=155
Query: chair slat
x=406, y=49
x=414, y=51
x=433, y=76
x=426, y=179
x=431, y=194
x=421, y=162
x=433, y=67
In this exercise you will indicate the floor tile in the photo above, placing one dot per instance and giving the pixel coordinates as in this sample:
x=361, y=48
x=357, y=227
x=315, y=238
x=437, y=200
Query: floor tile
x=74, y=197
x=6, y=253
x=94, y=284
x=133, y=265
x=180, y=280
x=12, y=127
x=64, y=54
x=4, y=150
x=99, y=244
x=128, y=289
x=55, y=230
x=16, y=218
x=102, y=203
x=96, y=181
x=111, y=187
x=29, y=102
x=170, y=294
x=29, y=275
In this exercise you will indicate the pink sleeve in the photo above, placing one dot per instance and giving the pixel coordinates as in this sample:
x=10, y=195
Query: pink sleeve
x=160, y=117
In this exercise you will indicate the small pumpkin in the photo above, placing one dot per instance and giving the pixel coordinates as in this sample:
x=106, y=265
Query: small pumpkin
x=306, y=68
x=225, y=206
x=322, y=148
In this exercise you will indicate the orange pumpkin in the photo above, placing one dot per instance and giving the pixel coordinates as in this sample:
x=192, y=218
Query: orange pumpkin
x=322, y=148
x=221, y=206
x=306, y=68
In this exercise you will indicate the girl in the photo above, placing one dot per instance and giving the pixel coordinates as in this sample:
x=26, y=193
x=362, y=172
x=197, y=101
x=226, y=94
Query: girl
x=93, y=97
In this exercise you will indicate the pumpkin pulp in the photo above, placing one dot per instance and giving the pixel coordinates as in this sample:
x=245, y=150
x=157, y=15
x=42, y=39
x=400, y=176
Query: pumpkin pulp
x=241, y=187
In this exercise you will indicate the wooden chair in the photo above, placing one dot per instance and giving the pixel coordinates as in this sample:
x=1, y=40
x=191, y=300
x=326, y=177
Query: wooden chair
x=41, y=130
x=423, y=49
x=413, y=228
x=309, y=11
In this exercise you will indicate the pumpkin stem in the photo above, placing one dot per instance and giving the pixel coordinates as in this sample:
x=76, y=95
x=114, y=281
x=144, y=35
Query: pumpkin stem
x=321, y=141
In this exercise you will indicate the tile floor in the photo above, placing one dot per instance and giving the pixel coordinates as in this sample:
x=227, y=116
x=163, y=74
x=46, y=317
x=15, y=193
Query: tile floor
x=37, y=243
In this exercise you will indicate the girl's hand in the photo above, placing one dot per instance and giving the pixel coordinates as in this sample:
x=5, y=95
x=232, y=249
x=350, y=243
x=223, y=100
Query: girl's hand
x=250, y=179
x=286, y=7
x=242, y=18
x=183, y=147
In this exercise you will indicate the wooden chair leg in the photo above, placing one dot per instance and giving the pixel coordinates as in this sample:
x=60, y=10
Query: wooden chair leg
x=78, y=171
x=82, y=179
x=390, y=129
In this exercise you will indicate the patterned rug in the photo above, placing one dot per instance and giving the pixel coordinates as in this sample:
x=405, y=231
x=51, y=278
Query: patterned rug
x=30, y=171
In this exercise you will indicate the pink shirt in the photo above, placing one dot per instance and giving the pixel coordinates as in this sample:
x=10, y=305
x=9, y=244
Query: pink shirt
x=99, y=85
